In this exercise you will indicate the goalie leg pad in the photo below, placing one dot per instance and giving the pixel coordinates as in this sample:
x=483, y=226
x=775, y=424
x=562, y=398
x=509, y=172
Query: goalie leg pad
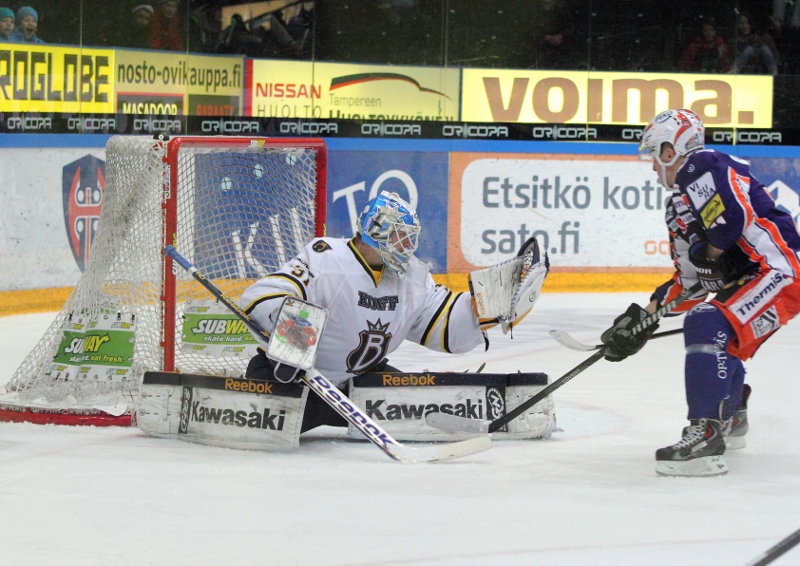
x=538, y=421
x=228, y=412
x=399, y=402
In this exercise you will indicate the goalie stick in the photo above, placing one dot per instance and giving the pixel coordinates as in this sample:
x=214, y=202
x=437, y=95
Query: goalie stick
x=338, y=400
x=779, y=549
x=454, y=423
x=563, y=338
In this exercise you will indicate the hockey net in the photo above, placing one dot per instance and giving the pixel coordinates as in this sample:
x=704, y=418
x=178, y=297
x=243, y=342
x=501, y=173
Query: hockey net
x=237, y=208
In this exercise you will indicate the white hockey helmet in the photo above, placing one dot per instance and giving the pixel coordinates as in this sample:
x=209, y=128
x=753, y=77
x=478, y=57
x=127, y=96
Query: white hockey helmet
x=682, y=129
x=390, y=225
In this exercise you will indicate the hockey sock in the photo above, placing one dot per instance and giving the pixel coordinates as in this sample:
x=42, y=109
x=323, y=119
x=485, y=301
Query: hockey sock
x=712, y=375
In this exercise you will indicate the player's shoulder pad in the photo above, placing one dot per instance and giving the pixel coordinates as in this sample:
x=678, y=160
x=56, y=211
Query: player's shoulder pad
x=320, y=245
x=327, y=256
x=705, y=159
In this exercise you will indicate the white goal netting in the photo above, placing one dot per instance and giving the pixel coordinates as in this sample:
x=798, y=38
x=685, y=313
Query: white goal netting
x=236, y=208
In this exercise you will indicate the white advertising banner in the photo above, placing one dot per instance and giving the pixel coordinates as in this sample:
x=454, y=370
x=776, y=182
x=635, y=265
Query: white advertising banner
x=45, y=192
x=587, y=211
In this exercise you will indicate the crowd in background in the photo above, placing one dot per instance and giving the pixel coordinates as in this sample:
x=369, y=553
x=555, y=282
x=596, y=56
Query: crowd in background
x=705, y=36
x=19, y=27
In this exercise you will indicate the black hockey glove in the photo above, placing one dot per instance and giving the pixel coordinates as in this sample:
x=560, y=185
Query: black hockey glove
x=709, y=271
x=619, y=341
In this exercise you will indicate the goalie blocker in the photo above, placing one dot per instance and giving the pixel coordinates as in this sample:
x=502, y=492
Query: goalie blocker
x=267, y=415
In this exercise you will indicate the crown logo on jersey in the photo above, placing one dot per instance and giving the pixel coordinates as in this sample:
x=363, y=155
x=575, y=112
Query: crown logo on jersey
x=378, y=327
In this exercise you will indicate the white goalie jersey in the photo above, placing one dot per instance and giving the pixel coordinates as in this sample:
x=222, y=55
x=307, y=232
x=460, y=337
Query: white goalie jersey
x=370, y=312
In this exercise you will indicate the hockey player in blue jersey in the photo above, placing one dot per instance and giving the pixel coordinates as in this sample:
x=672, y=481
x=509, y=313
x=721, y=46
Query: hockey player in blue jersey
x=725, y=232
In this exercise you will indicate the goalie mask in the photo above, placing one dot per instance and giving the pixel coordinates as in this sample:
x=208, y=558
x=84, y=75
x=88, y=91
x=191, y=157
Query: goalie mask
x=683, y=129
x=391, y=226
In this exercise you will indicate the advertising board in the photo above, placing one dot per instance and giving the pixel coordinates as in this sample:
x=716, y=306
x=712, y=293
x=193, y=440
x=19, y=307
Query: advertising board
x=588, y=211
x=297, y=89
x=573, y=97
x=174, y=84
x=45, y=78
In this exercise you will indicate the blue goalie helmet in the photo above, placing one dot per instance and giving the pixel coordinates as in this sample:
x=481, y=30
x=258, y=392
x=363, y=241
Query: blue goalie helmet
x=390, y=225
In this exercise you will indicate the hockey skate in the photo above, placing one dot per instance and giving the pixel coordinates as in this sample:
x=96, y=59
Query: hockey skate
x=698, y=453
x=737, y=426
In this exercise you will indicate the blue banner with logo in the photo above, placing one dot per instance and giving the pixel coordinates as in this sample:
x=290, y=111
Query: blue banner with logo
x=419, y=177
x=781, y=177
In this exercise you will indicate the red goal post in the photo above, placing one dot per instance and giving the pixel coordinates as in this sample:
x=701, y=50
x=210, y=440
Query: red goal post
x=237, y=207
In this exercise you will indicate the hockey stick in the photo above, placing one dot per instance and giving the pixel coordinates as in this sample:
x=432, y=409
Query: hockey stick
x=338, y=400
x=563, y=338
x=454, y=423
x=779, y=549
x=462, y=424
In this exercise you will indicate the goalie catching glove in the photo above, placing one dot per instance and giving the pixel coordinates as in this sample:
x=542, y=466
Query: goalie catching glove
x=620, y=342
x=505, y=293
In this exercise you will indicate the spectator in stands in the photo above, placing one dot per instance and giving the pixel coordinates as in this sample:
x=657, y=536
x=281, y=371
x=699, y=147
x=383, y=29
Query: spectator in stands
x=786, y=22
x=554, y=36
x=165, y=26
x=277, y=39
x=756, y=52
x=27, y=24
x=236, y=38
x=6, y=24
x=707, y=53
x=299, y=26
x=205, y=28
x=251, y=39
x=136, y=33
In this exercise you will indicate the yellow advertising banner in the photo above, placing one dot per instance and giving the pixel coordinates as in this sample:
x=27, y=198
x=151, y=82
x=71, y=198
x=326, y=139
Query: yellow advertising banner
x=572, y=97
x=44, y=78
x=174, y=84
x=292, y=89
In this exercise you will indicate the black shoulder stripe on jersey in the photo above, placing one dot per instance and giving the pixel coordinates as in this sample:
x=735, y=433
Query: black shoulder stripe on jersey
x=436, y=316
x=360, y=259
x=301, y=289
x=260, y=300
x=447, y=322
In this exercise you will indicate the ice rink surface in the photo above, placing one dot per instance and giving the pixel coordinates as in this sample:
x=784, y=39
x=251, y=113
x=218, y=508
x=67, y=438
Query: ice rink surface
x=587, y=496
